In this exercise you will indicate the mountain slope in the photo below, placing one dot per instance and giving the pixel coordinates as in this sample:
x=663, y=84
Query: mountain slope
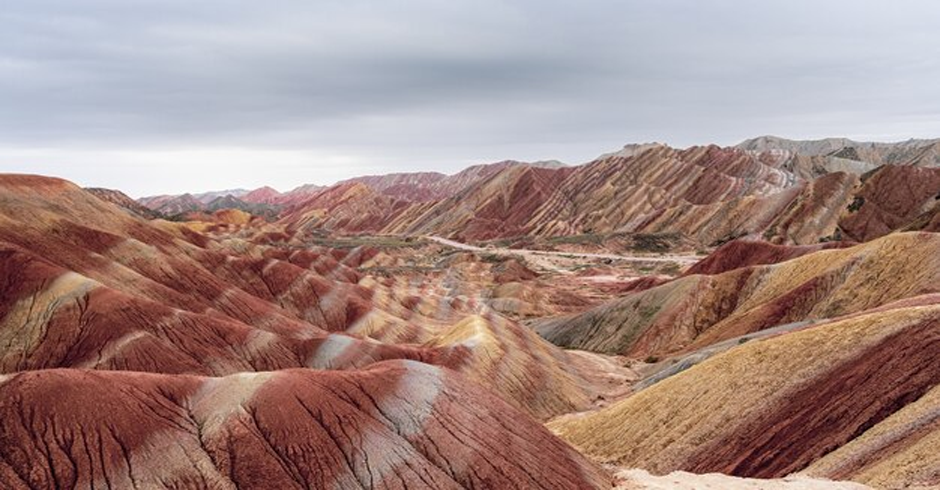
x=124, y=201
x=771, y=407
x=699, y=310
x=393, y=425
x=212, y=307
x=814, y=157
x=499, y=205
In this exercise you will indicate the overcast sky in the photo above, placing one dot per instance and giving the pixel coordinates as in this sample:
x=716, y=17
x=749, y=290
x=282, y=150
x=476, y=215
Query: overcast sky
x=166, y=96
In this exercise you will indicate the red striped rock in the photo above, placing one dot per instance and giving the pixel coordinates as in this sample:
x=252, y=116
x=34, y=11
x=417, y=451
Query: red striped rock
x=394, y=425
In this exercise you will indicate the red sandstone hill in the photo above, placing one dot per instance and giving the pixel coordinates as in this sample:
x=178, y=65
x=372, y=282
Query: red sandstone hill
x=497, y=206
x=709, y=194
x=100, y=307
x=184, y=290
x=695, y=311
x=175, y=205
x=788, y=193
x=434, y=186
x=245, y=356
x=351, y=207
x=745, y=253
x=410, y=186
x=124, y=201
x=855, y=398
x=262, y=195
x=151, y=353
x=392, y=425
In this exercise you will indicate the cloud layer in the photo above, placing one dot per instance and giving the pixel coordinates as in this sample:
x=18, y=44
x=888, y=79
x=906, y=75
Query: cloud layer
x=163, y=96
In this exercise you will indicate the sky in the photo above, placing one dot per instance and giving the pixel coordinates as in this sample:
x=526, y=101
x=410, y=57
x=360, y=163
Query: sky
x=170, y=96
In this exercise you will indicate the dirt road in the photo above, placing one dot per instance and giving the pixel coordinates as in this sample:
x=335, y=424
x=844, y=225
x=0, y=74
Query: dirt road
x=682, y=260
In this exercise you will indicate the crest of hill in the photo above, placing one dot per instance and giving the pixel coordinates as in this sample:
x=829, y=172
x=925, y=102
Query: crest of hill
x=231, y=202
x=412, y=186
x=262, y=195
x=351, y=207
x=174, y=205
x=297, y=195
x=124, y=201
x=498, y=205
x=915, y=152
x=207, y=197
x=746, y=253
x=392, y=203
x=434, y=186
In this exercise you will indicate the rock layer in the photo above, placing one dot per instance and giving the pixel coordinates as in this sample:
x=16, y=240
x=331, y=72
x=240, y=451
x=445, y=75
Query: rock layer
x=394, y=425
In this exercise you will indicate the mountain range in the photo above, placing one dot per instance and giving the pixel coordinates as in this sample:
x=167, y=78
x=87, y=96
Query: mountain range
x=759, y=316
x=789, y=192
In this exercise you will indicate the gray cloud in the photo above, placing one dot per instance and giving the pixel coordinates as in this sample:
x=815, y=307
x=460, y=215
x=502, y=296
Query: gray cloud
x=154, y=96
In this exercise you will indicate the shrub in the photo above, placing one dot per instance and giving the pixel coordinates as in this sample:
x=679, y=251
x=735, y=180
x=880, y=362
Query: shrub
x=857, y=204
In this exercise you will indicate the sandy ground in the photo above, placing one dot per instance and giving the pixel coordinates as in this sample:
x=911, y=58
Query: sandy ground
x=641, y=480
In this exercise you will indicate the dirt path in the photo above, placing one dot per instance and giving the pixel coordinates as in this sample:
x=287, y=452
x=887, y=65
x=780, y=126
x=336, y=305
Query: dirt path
x=679, y=259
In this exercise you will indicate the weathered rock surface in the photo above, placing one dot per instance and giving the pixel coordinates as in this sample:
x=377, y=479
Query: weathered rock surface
x=398, y=424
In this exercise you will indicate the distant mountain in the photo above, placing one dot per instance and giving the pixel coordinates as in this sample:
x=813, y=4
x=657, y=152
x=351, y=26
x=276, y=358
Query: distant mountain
x=791, y=192
x=433, y=186
x=231, y=202
x=155, y=202
x=262, y=195
x=177, y=205
x=413, y=186
x=422, y=201
x=497, y=205
x=409, y=186
x=814, y=158
x=261, y=203
x=124, y=201
x=655, y=189
x=830, y=146
x=708, y=194
x=351, y=207
x=298, y=195
x=207, y=197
